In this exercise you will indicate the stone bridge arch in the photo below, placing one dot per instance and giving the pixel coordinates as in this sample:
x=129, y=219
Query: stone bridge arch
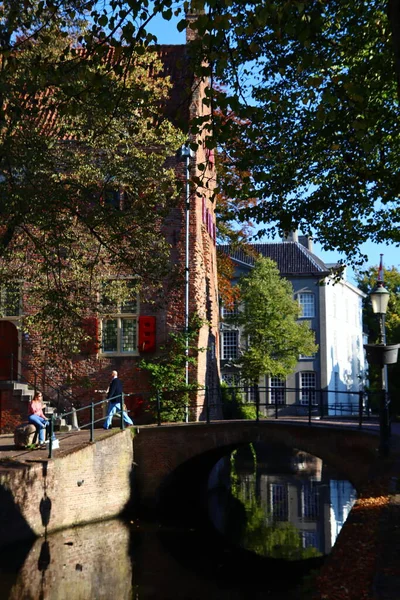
x=161, y=451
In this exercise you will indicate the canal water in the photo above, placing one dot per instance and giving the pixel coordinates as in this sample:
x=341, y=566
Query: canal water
x=270, y=517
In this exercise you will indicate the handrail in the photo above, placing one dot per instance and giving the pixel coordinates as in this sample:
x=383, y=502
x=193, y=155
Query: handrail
x=310, y=404
x=91, y=423
x=66, y=396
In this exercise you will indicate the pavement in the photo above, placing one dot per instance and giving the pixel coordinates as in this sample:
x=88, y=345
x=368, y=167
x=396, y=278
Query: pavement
x=68, y=442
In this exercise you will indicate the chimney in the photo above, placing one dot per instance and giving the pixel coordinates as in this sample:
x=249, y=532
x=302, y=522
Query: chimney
x=306, y=241
x=291, y=236
x=191, y=31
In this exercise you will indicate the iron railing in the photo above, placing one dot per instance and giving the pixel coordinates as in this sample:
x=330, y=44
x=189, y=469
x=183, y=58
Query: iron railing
x=255, y=403
x=91, y=422
x=56, y=397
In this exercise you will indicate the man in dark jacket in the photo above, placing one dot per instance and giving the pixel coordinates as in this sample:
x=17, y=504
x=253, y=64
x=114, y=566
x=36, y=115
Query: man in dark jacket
x=114, y=397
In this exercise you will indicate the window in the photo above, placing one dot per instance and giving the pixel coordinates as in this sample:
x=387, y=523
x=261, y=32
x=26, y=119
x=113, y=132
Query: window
x=309, y=501
x=230, y=344
x=119, y=328
x=231, y=379
x=112, y=198
x=309, y=539
x=10, y=301
x=307, y=388
x=279, y=501
x=231, y=311
x=307, y=303
x=277, y=390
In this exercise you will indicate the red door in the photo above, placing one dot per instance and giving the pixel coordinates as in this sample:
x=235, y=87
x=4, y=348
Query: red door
x=8, y=350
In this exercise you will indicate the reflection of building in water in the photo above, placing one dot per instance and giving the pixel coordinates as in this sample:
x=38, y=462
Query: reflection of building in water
x=342, y=499
x=299, y=495
x=301, y=502
x=84, y=562
x=291, y=486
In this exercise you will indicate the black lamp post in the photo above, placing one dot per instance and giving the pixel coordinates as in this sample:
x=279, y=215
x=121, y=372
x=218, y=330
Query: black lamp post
x=382, y=354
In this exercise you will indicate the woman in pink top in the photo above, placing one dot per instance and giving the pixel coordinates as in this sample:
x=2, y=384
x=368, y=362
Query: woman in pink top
x=36, y=416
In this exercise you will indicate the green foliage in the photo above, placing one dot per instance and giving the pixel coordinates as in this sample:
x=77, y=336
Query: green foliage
x=81, y=127
x=303, y=95
x=233, y=405
x=268, y=317
x=259, y=532
x=168, y=373
x=314, y=95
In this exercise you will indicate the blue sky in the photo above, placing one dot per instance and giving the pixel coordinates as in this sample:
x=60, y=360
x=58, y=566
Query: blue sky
x=167, y=34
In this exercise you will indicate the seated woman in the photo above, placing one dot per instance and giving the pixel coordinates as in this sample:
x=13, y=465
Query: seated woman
x=36, y=416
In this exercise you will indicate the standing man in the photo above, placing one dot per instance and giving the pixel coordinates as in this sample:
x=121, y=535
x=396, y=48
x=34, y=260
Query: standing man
x=114, y=397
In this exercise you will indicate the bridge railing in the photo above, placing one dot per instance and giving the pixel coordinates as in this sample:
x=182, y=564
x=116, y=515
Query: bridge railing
x=257, y=402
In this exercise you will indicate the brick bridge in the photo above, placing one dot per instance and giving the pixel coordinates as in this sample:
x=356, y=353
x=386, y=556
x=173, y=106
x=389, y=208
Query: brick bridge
x=164, y=454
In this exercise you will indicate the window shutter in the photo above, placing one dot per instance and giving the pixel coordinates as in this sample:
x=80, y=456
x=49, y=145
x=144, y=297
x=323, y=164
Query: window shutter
x=90, y=325
x=147, y=334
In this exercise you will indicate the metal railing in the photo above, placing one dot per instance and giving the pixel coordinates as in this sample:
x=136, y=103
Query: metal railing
x=257, y=402
x=91, y=421
x=254, y=403
x=16, y=374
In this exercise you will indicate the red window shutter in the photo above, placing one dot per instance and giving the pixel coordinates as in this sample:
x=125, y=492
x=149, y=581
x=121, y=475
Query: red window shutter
x=147, y=334
x=90, y=325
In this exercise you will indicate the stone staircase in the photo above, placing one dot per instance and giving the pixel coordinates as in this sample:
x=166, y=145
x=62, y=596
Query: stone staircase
x=24, y=393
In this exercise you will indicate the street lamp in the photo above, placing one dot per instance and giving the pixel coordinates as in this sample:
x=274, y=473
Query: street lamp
x=382, y=354
x=380, y=300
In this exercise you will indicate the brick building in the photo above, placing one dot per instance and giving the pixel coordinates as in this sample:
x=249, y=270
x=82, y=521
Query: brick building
x=136, y=330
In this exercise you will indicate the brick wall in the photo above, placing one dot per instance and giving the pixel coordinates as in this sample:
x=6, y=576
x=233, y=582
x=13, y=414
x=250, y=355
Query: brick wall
x=13, y=411
x=90, y=371
x=92, y=483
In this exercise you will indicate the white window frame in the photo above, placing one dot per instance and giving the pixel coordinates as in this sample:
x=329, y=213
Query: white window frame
x=231, y=379
x=277, y=391
x=226, y=313
x=309, y=388
x=225, y=347
x=279, y=501
x=309, y=502
x=307, y=307
x=120, y=316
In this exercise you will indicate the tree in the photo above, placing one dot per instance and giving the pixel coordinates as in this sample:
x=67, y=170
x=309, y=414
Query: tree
x=313, y=86
x=366, y=281
x=83, y=184
x=314, y=90
x=268, y=317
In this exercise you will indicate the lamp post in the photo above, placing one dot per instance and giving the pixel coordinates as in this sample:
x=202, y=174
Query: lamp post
x=185, y=154
x=379, y=300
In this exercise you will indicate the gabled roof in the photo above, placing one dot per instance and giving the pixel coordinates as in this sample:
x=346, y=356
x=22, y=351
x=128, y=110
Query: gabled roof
x=292, y=258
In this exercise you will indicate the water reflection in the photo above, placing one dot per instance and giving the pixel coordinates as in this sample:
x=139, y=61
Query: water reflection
x=78, y=564
x=279, y=502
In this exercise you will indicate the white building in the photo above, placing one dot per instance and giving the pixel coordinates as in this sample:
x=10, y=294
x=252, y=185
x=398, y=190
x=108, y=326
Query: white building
x=331, y=379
